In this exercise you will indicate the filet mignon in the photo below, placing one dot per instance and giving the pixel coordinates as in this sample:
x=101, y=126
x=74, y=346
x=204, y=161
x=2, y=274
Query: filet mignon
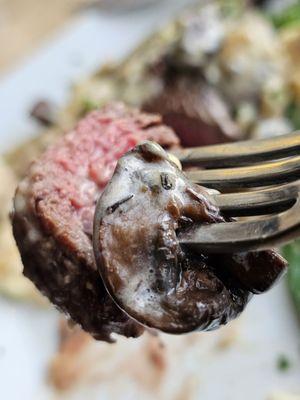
x=54, y=209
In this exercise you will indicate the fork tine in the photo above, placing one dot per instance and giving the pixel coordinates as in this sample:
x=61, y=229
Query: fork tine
x=241, y=153
x=281, y=171
x=257, y=202
x=252, y=234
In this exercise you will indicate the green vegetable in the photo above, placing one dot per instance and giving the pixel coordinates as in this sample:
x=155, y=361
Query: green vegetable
x=283, y=363
x=293, y=114
x=288, y=17
x=87, y=106
x=292, y=253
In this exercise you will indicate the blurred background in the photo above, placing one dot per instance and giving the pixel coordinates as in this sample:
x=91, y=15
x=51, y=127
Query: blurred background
x=218, y=71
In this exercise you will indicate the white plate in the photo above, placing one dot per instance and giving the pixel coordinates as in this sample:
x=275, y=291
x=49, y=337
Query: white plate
x=27, y=335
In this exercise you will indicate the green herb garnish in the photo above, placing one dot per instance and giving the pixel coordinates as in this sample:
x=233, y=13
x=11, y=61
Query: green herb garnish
x=293, y=114
x=292, y=253
x=88, y=105
x=288, y=17
x=283, y=363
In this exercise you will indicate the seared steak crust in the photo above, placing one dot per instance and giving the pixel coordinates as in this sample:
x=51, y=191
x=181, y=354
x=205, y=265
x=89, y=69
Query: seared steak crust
x=54, y=209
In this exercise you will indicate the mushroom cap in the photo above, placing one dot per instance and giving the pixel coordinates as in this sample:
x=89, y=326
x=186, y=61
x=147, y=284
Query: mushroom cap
x=145, y=269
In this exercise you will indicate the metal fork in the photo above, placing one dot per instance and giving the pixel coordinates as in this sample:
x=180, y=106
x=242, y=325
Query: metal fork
x=261, y=181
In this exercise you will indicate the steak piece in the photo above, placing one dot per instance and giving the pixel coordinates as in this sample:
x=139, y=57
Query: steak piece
x=155, y=280
x=54, y=210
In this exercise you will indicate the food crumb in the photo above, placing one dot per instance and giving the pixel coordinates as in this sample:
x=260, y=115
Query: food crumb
x=156, y=353
x=283, y=363
x=44, y=113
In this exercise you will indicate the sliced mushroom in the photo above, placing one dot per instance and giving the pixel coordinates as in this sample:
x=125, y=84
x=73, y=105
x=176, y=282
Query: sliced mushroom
x=146, y=271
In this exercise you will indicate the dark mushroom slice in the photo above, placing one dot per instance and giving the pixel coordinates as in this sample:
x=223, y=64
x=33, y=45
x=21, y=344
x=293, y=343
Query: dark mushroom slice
x=256, y=271
x=146, y=271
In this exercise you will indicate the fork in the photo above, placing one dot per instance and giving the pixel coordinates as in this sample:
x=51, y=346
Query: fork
x=260, y=183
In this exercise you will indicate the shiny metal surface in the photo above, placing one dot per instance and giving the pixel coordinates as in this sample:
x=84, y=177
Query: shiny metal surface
x=241, y=153
x=263, y=174
x=271, y=168
x=258, y=202
x=253, y=234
